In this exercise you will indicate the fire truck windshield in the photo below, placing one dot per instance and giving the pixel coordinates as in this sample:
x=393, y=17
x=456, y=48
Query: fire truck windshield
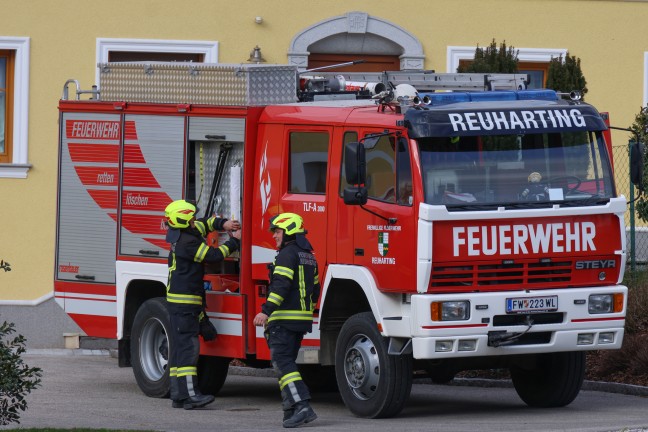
x=490, y=171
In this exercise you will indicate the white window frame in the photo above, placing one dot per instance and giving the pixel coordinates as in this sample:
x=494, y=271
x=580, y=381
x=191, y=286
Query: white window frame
x=209, y=49
x=18, y=167
x=457, y=53
x=645, y=89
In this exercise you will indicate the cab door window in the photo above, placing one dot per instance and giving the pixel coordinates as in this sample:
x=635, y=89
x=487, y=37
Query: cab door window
x=403, y=174
x=381, y=169
x=389, y=172
x=308, y=162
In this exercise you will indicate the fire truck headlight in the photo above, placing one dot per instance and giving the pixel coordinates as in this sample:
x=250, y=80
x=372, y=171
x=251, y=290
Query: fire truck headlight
x=605, y=303
x=599, y=303
x=606, y=338
x=444, y=346
x=467, y=345
x=585, y=339
x=450, y=311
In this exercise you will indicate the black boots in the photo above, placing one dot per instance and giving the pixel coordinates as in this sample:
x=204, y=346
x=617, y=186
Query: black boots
x=197, y=401
x=288, y=413
x=302, y=413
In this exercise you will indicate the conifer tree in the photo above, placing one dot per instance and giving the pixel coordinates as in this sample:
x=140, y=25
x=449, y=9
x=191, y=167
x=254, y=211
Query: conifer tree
x=493, y=59
x=566, y=76
x=640, y=132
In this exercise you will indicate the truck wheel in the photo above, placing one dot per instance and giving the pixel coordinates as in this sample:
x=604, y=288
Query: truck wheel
x=372, y=383
x=150, y=348
x=212, y=372
x=553, y=381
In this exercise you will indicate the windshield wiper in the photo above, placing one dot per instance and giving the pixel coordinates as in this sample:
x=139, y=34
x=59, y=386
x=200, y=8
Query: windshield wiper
x=585, y=202
x=495, y=206
x=591, y=201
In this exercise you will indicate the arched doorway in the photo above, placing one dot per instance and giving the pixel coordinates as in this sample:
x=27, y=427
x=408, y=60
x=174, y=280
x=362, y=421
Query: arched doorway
x=354, y=36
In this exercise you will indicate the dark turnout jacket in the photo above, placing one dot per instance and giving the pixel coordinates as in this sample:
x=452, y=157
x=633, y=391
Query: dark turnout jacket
x=294, y=289
x=188, y=253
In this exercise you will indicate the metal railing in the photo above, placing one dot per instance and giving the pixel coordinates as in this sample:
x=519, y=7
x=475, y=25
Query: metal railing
x=636, y=228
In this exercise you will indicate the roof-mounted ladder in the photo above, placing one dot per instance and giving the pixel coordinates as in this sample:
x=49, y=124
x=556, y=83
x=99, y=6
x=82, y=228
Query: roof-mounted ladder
x=426, y=81
x=96, y=94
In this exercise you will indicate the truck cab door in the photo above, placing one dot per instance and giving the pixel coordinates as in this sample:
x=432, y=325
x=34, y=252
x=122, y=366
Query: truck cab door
x=385, y=227
x=297, y=172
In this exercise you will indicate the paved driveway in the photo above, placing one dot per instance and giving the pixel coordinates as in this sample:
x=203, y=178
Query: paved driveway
x=91, y=391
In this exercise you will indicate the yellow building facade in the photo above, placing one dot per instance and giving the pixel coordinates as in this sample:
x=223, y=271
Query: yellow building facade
x=47, y=43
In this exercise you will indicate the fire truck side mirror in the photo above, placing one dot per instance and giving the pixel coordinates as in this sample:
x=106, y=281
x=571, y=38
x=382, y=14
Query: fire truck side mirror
x=355, y=170
x=355, y=195
x=355, y=163
x=637, y=164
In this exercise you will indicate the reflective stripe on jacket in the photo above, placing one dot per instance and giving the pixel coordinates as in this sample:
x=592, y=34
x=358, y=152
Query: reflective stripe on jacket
x=294, y=288
x=188, y=254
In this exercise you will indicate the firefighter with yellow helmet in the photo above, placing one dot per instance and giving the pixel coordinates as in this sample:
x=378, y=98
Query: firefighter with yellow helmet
x=287, y=313
x=185, y=291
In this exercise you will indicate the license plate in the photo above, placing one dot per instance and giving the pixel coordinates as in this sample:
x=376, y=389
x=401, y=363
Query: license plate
x=531, y=304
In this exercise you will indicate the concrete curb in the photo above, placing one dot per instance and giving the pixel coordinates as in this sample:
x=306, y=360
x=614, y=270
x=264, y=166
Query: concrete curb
x=601, y=386
x=67, y=352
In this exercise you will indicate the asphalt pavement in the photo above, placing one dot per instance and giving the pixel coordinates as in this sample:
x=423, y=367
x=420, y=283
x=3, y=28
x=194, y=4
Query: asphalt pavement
x=86, y=389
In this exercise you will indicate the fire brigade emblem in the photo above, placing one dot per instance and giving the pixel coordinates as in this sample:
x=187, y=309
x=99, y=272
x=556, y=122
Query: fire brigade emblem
x=383, y=243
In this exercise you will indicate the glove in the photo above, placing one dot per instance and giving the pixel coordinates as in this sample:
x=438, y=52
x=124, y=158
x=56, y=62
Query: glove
x=207, y=330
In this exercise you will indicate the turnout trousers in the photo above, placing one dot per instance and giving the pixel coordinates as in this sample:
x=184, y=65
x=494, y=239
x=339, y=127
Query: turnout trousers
x=284, y=346
x=184, y=350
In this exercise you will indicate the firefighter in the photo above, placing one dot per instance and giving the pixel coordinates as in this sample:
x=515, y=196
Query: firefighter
x=287, y=313
x=185, y=293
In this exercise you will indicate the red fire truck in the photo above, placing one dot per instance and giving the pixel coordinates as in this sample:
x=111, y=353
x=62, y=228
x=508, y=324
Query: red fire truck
x=459, y=221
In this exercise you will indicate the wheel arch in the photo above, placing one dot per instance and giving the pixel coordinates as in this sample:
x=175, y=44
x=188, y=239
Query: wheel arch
x=137, y=292
x=349, y=290
x=136, y=283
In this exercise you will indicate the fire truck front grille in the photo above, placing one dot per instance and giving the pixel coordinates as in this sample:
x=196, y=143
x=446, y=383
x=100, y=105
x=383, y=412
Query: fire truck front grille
x=502, y=275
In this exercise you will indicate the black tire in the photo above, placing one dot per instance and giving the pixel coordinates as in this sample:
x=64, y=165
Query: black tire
x=319, y=378
x=212, y=372
x=372, y=383
x=554, y=381
x=149, y=348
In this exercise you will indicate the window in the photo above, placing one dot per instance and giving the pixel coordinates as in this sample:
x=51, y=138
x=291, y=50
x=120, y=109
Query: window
x=537, y=72
x=534, y=169
x=372, y=63
x=6, y=103
x=389, y=170
x=645, y=90
x=155, y=50
x=14, y=101
x=130, y=56
x=308, y=162
x=404, y=174
x=381, y=169
x=534, y=61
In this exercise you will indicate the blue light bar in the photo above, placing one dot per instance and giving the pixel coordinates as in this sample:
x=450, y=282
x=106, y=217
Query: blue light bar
x=445, y=98
x=549, y=95
x=499, y=95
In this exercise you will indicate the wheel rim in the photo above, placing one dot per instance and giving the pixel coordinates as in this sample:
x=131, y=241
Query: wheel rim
x=362, y=367
x=154, y=349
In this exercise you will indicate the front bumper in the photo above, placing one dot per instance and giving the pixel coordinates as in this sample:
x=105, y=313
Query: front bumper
x=470, y=338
